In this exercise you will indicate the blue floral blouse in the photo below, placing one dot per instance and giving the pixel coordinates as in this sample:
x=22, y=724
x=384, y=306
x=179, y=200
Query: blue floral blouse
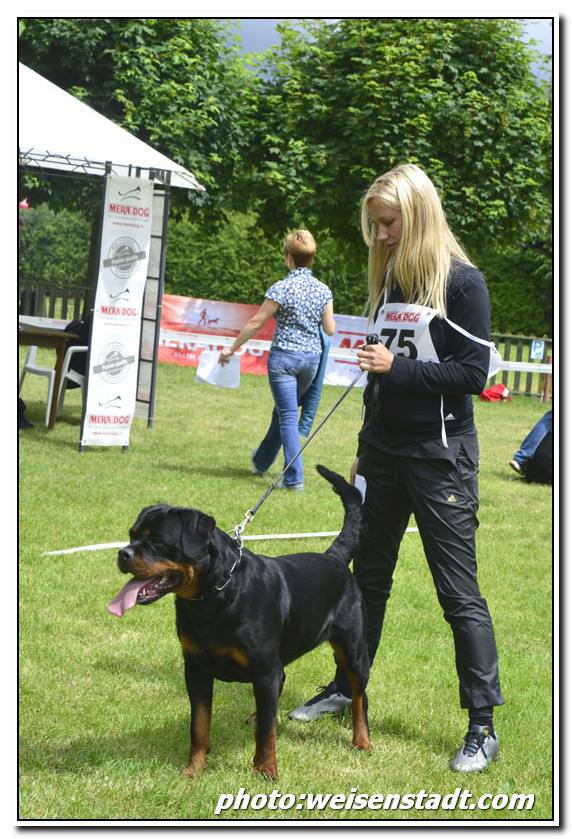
x=302, y=299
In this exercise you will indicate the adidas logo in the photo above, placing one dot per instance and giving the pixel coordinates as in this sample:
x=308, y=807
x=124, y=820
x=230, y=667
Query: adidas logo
x=449, y=417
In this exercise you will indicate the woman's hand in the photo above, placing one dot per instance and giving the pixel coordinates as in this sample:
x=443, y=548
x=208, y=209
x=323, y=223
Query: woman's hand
x=225, y=355
x=267, y=310
x=374, y=358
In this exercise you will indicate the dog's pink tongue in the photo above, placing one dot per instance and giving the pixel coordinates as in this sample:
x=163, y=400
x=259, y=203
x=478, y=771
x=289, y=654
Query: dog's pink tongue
x=126, y=598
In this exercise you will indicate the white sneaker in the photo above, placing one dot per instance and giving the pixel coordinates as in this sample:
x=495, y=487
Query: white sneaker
x=480, y=746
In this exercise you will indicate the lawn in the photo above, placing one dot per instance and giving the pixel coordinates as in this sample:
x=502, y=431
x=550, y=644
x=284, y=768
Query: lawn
x=103, y=711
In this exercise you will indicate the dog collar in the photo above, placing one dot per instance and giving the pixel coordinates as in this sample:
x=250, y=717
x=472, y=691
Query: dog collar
x=235, y=563
x=224, y=585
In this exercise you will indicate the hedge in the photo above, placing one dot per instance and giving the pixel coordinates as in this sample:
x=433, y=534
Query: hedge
x=237, y=262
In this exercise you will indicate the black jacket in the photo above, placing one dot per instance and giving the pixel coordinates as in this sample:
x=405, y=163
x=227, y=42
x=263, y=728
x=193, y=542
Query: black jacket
x=404, y=406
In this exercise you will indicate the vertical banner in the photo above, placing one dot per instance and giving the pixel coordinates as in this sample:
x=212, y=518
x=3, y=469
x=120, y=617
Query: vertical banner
x=116, y=329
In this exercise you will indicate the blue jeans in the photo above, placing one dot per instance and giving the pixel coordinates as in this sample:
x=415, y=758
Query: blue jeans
x=533, y=439
x=290, y=374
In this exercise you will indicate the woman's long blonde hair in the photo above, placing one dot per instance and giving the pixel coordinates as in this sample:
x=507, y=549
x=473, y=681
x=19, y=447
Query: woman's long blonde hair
x=422, y=260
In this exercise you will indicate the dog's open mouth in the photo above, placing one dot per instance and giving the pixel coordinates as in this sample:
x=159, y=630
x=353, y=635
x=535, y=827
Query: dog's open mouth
x=143, y=592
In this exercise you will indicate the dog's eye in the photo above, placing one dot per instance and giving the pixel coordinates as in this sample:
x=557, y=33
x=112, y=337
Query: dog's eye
x=140, y=535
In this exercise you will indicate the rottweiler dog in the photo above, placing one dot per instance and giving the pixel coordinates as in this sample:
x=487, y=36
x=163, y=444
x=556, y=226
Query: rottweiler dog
x=242, y=617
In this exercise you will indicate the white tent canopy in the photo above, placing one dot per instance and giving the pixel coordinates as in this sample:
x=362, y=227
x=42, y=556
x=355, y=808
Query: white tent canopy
x=58, y=132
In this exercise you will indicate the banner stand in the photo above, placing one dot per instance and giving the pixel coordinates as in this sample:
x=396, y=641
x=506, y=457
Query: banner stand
x=153, y=304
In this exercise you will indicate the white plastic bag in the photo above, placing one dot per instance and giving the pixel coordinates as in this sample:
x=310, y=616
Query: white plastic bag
x=361, y=485
x=210, y=372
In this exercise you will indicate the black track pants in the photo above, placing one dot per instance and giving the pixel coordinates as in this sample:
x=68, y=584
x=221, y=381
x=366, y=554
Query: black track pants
x=444, y=499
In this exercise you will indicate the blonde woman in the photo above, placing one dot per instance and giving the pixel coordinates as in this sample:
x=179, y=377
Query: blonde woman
x=300, y=304
x=418, y=449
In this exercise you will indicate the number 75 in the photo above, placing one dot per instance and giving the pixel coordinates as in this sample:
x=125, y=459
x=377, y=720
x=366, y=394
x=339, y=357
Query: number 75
x=403, y=341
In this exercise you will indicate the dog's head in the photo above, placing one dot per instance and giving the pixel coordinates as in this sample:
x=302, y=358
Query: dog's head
x=169, y=550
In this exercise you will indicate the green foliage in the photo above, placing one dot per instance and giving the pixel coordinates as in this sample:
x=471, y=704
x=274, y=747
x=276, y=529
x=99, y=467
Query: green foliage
x=520, y=283
x=296, y=143
x=172, y=82
x=238, y=262
x=344, y=102
x=235, y=262
x=344, y=268
x=53, y=247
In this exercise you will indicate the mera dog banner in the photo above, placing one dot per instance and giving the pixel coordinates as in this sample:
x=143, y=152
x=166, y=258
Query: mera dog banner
x=190, y=325
x=116, y=329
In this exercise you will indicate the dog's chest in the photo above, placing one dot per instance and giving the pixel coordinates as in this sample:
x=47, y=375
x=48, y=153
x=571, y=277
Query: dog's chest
x=226, y=660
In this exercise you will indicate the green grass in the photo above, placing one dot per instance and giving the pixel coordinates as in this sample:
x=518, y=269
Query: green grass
x=103, y=708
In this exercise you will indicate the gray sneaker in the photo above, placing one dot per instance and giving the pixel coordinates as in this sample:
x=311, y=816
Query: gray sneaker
x=327, y=701
x=292, y=487
x=480, y=746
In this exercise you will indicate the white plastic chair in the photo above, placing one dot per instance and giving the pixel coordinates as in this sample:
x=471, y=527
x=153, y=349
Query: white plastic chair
x=72, y=375
x=30, y=366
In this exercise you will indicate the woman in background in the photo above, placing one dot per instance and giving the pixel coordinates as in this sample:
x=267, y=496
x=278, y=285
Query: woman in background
x=300, y=304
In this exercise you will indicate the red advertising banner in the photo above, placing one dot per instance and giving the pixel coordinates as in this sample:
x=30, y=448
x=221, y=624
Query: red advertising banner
x=183, y=317
x=185, y=320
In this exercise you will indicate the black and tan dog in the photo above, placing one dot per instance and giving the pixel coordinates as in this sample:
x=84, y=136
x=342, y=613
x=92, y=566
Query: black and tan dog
x=242, y=617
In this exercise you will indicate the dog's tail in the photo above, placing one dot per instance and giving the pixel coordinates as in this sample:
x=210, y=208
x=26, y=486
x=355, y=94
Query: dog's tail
x=347, y=541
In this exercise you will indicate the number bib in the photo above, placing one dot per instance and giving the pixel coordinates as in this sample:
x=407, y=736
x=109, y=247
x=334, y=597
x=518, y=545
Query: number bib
x=404, y=329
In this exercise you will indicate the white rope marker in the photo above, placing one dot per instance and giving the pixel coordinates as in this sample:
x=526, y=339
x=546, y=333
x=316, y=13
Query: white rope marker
x=259, y=537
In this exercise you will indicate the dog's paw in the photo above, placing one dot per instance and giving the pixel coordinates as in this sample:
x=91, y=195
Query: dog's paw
x=267, y=770
x=361, y=743
x=194, y=769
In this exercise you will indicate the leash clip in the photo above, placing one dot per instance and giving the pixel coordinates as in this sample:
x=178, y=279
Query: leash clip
x=238, y=529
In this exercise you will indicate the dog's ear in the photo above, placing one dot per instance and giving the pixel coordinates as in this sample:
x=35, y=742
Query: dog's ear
x=196, y=530
x=147, y=512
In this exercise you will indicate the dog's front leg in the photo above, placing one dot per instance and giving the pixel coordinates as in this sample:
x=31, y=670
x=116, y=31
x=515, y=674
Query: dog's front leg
x=266, y=692
x=200, y=690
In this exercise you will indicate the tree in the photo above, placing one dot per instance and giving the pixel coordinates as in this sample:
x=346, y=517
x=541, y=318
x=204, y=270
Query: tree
x=178, y=84
x=343, y=102
x=297, y=142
